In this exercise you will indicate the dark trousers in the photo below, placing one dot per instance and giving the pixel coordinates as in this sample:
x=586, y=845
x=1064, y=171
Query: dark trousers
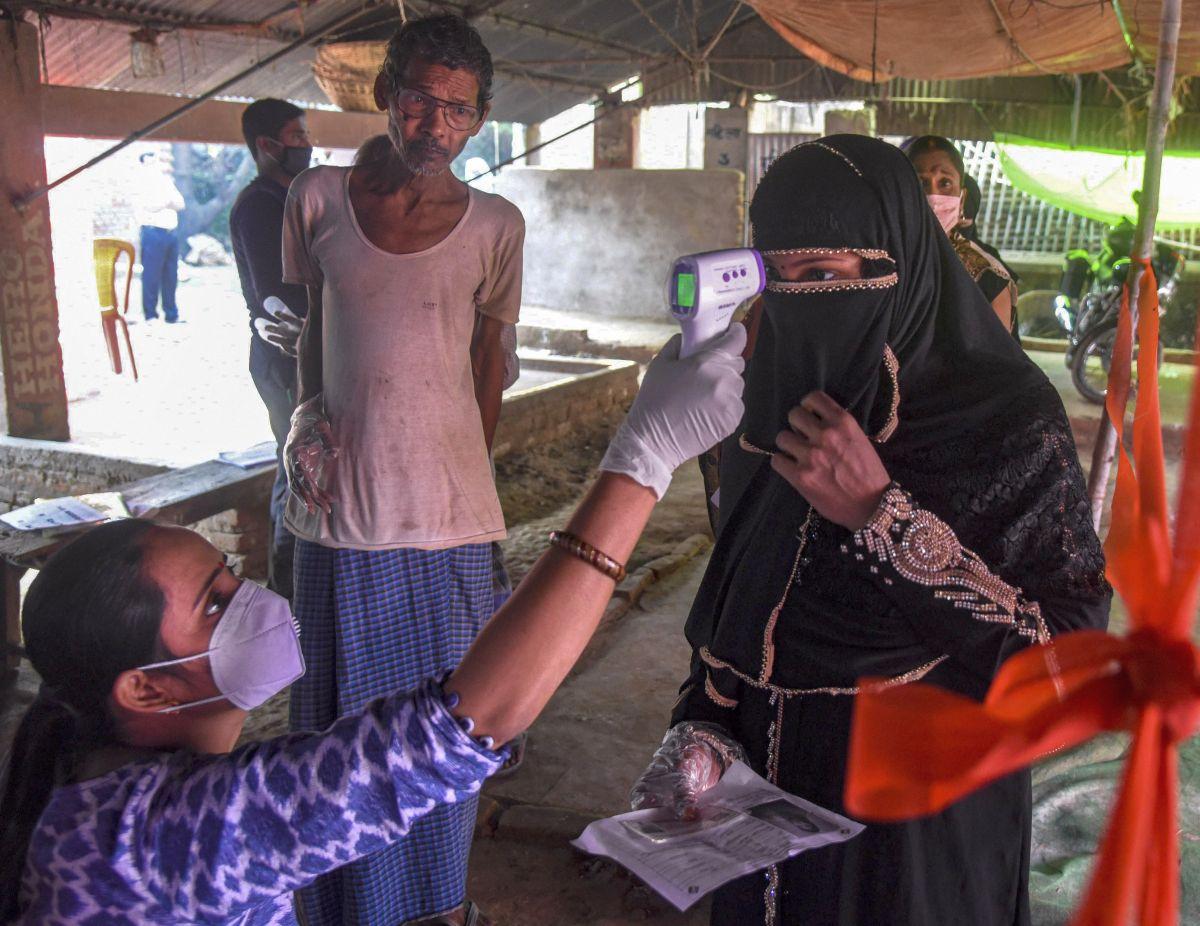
x=274, y=375
x=160, y=271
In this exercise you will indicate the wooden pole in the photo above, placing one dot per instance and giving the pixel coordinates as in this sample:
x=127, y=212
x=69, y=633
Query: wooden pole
x=1157, y=121
x=33, y=394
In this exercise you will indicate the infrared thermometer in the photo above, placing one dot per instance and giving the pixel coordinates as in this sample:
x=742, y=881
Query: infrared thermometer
x=704, y=290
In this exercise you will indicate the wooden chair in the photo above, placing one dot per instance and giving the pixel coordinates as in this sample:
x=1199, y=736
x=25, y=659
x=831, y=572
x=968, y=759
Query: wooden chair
x=106, y=254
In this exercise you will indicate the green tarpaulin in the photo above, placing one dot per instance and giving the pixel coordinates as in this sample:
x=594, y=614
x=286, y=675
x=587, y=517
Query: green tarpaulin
x=1100, y=184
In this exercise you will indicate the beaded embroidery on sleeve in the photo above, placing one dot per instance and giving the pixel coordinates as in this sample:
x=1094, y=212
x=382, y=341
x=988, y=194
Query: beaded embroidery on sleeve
x=922, y=548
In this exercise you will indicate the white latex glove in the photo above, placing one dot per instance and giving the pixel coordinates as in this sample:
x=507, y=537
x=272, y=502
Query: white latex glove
x=309, y=455
x=283, y=331
x=692, y=758
x=683, y=408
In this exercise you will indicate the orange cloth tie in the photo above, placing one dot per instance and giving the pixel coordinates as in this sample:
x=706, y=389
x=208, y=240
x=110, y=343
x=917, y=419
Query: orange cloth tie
x=1083, y=683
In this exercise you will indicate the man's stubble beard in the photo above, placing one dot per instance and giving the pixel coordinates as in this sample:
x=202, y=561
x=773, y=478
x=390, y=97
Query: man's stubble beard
x=417, y=167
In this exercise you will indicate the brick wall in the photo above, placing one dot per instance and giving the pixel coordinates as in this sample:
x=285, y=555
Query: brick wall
x=243, y=535
x=40, y=469
x=549, y=413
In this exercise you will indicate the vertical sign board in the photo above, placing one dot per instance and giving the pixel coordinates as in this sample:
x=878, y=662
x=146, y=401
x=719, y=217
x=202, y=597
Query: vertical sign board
x=614, y=139
x=35, y=399
x=725, y=134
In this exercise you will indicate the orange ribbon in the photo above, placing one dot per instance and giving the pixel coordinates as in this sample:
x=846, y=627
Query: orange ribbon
x=1083, y=683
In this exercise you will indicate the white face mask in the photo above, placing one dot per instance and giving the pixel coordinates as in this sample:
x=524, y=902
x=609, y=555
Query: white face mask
x=254, y=650
x=948, y=210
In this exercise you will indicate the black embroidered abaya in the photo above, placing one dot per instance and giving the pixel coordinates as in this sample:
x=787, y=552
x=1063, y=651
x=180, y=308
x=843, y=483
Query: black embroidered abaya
x=982, y=545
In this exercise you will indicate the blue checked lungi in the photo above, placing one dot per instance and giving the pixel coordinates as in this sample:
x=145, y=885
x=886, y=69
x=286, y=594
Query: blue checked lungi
x=373, y=622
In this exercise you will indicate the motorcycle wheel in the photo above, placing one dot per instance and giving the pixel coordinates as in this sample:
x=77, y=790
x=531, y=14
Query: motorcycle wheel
x=1093, y=360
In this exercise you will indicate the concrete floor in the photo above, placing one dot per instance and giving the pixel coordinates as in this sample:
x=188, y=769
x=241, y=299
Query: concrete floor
x=598, y=732
x=589, y=746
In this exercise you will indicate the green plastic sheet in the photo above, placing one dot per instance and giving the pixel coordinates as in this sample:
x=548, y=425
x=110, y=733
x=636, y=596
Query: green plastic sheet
x=1100, y=184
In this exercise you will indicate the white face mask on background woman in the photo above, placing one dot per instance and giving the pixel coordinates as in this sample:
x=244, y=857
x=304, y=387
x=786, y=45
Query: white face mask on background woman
x=948, y=209
x=254, y=651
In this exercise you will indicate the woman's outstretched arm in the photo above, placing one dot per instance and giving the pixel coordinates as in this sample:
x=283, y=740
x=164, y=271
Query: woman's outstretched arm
x=525, y=651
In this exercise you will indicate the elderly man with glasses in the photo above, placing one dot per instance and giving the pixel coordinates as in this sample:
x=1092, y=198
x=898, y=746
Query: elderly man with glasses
x=411, y=276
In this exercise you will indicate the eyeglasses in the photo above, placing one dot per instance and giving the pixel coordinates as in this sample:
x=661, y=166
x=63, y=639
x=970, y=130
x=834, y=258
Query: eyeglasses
x=418, y=105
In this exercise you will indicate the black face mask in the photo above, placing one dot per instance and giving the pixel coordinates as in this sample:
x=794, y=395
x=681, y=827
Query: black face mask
x=293, y=160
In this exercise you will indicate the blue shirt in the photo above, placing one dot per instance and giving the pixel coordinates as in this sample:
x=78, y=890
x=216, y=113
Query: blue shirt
x=226, y=839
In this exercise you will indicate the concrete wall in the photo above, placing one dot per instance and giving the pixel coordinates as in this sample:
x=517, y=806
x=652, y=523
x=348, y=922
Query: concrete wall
x=603, y=241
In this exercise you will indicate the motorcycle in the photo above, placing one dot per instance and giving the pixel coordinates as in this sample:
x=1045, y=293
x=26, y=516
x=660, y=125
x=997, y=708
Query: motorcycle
x=1089, y=302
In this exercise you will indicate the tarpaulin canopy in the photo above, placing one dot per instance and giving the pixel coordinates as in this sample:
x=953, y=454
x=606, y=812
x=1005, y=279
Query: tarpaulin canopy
x=1100, y=184
x=936, y=40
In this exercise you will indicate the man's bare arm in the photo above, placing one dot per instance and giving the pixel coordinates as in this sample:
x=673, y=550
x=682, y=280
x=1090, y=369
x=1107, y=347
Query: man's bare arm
x=310, y=371
x=487, y=366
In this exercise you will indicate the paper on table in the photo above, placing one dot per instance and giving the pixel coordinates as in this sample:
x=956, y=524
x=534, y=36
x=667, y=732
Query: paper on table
x=745, y=824
x=110, y=504
x=251, y=456
x=53, y=513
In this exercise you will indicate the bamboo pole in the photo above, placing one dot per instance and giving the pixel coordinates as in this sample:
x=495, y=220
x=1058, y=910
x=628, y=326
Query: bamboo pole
x=1156, y=138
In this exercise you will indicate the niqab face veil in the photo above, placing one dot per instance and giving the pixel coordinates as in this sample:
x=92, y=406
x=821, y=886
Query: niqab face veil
x=957, y=364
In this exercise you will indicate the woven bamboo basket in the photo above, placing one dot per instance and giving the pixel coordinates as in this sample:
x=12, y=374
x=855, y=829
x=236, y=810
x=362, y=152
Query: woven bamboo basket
x=346, y=72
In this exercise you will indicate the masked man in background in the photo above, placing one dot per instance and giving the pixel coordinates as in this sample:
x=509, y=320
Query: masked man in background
x=277, y=137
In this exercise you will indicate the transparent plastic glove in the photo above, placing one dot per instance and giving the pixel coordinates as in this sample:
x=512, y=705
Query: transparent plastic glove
x=692, y=758
x=282, y=330
x=683, y=408
x=309, y=455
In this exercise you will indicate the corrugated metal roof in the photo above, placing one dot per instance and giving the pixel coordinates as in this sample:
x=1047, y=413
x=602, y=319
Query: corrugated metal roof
x=585, y=45
x=550, y=55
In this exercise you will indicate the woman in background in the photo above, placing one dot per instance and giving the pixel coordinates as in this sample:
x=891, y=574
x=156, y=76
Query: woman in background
x=943, y=175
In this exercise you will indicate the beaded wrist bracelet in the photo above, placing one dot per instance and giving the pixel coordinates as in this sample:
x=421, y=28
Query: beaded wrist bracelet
x=467, y=724
x=588, y=553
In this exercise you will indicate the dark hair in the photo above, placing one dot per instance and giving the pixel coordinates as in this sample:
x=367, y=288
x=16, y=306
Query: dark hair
x=973, y=198
x=923, y=144
x=447, y=40
x=265, y=118
x=90, y=615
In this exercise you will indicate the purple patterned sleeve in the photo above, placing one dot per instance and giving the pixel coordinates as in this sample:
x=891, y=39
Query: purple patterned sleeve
x=207, y=838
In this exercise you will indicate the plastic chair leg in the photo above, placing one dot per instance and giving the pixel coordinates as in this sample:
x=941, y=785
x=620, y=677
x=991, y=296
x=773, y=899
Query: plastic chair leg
x=108, y=325
x=129, y=347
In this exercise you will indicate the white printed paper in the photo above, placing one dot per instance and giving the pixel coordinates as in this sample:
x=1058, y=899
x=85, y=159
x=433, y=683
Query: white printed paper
x=251, y=456
x=53, y=513
x=745, y=824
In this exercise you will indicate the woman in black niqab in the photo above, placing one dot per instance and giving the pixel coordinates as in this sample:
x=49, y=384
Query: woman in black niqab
x=981, y=545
